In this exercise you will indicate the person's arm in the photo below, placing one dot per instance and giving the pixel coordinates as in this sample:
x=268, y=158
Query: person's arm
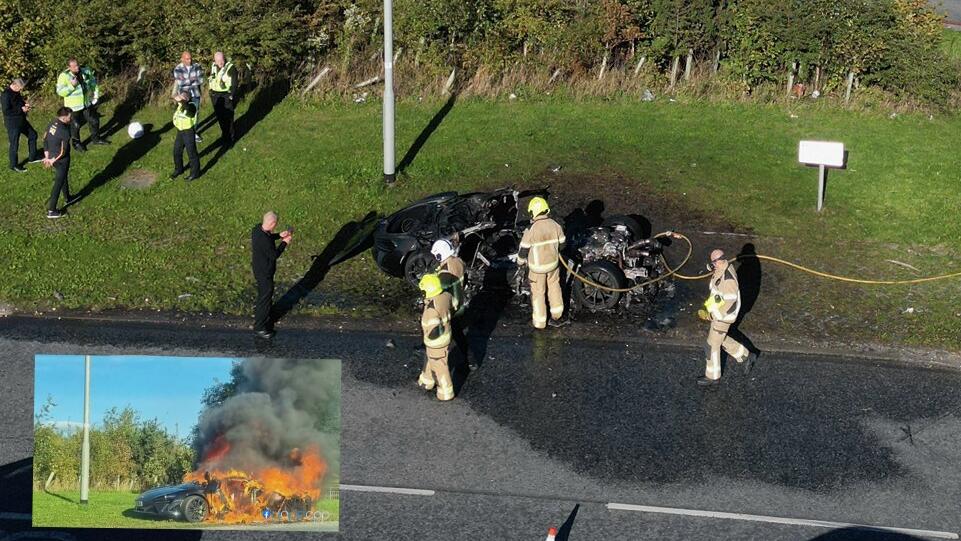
x=64, y=86
x=282, y=245
x=232, y=73
x=525, y=248
x=6, y=103
x=94, y=86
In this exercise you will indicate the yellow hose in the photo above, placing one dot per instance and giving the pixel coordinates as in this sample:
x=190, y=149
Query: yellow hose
x=795, y=266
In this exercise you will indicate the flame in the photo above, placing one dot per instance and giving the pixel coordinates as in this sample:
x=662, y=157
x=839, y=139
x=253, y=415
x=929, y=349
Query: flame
x=243, y=496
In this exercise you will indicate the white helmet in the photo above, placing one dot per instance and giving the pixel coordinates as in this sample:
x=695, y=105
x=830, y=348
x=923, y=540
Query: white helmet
x=442, y=249
x=135, y=130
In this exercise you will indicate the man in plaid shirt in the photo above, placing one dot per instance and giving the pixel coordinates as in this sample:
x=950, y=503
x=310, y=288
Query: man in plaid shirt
x=188, y=77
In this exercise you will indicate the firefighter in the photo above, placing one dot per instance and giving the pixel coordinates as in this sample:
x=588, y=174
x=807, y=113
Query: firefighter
x=540, y=251
x=721, y=309
x=435, y=323
x=452, y=278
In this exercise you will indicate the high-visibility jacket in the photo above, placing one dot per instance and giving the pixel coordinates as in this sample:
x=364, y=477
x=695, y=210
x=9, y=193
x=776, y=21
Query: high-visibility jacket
x=724, y=302
x=182, y=120
x=541, y=245
x=451, y=272
x=74, y=97
x=435, y=321
x=220, y=79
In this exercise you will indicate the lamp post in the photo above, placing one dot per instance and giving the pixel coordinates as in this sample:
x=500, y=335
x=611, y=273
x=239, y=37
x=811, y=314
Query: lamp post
x=85, y=450
x=389, y=168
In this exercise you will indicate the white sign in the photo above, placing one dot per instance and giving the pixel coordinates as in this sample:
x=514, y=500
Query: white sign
x=821, y=153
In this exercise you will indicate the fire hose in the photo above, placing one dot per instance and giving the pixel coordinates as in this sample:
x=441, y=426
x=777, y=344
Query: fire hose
x=690, y=250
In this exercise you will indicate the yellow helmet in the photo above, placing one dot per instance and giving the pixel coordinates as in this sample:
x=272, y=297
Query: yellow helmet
x=538, y=206
x=431, y=286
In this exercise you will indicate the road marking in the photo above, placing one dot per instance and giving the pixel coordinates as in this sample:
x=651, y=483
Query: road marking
x=777, y=520
x=392, y=490
x=15, y=516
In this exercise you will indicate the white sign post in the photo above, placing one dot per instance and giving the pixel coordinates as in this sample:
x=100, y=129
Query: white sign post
x=822, y=154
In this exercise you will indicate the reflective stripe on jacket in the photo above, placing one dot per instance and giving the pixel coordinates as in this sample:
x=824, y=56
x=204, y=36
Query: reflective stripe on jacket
x=435, y=321
x=183, y=121
x=725, y=301
x=541, y=245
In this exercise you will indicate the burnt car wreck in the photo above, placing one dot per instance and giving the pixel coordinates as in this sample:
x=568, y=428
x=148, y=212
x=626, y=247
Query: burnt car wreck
x=487, y=228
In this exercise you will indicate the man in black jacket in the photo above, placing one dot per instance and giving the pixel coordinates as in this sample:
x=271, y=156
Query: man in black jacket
x=264, y=254
x=15, y=110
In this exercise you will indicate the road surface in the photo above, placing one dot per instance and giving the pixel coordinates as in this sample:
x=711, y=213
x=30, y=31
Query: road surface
x=607, y=439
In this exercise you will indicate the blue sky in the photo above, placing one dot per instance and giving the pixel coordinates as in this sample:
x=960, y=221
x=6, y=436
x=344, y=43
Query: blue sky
x=166, y=388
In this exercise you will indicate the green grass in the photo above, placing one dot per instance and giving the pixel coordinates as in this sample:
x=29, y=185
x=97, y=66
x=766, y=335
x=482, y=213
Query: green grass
x=105, y=509
x=319, y=166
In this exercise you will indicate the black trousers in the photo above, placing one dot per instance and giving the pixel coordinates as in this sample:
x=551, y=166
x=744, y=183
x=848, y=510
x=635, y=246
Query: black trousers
x=185, y=140
x=60, y=170
x=264, y=305
x=16, y=128
x=87, y=115
x=224, y=111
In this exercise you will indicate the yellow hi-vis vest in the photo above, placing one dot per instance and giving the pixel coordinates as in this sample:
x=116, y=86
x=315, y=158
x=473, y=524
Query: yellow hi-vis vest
x=73, y=96
x=435, y=321
x=541, y=244
x=219, y=81
x=724, y=302
x=182, y=121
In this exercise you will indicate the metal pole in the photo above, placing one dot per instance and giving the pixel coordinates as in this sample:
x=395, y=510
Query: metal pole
x=85, y=450
x=822, y=173
x=389, y=171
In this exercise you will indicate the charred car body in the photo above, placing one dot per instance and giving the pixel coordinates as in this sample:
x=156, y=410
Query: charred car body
x=488, y=228
x=214, y=499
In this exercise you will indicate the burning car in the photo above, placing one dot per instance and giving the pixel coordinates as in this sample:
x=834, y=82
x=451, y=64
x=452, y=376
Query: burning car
x=232, y=499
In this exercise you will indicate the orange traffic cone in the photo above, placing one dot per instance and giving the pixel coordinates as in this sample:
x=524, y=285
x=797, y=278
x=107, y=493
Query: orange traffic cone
x=551, y=534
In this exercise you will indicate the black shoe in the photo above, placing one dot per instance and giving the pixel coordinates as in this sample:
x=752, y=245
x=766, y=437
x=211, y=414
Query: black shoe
x=191, y=178
x=748, y=363
x=705, y=382
x=175, y=174
x=71, y=200
x=79, y=148
x=18, y=169
x=266, y=335
x=53, y=214
x=100, y=142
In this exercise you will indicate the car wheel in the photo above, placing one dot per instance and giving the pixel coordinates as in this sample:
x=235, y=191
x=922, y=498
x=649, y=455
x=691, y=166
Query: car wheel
x=417, y=265
x=631, y=224
x=603, y=273
x=195, y=508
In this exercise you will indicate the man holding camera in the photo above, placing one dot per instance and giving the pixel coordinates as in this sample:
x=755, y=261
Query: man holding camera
x=264, y=254
x=78, y=88
x=15, y=110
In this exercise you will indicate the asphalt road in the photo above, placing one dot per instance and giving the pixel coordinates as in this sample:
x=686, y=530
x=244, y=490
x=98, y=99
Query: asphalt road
x=575, y=433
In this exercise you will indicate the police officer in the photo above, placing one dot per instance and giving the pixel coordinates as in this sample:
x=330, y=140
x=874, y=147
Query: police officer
x=540, y=250
x=263, y=260
x=222, y=85
x=185, y=120
x=78, y=88
x=721, y=309
x=56, y=154
x=435, y=322
x=15, y=110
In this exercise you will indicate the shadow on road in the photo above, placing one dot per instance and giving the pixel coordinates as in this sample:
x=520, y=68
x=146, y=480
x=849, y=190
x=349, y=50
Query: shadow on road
x=352, y=239
x=564, y=532
x=863, y=534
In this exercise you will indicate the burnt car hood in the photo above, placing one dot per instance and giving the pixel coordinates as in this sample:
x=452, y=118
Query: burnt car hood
x=159, y=492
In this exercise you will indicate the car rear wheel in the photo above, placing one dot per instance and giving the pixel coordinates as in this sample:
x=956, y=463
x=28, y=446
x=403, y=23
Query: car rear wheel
x=631, y=224
x=195, y=509
x=417, y=265
x=603, y=273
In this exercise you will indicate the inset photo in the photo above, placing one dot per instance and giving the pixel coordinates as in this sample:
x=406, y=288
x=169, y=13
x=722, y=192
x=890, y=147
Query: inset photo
x=181, y=442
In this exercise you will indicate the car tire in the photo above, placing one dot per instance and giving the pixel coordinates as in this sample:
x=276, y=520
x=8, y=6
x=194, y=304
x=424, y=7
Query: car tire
x=630, y=223
x=606, y=274
x=195, y=509
x=417, y=264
